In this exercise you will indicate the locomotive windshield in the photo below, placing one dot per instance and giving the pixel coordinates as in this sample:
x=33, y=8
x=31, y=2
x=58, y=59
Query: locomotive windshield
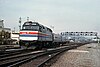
x=30, y=26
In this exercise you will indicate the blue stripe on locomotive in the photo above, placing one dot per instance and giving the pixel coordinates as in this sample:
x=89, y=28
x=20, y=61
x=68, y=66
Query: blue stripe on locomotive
x=34, y=36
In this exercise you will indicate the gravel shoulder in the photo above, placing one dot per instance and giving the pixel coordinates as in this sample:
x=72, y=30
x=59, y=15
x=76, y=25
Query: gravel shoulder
x=84, y=56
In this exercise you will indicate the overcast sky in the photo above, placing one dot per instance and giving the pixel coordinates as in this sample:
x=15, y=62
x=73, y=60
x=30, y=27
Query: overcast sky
x=64, y=15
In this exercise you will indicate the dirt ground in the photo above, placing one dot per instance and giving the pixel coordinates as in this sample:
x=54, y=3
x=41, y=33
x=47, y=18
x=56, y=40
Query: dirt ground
x=84, y=56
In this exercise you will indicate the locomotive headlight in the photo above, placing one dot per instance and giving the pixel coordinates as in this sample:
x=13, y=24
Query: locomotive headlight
x=49, y=55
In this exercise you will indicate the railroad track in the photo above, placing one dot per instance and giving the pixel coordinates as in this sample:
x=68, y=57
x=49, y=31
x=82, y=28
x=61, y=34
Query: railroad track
x=41, y=60
x=15, y=52
x=10, y=60
x=21, y=59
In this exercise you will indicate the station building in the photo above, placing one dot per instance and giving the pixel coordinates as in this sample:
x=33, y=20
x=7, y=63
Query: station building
x=2, y=27
x=5, y=33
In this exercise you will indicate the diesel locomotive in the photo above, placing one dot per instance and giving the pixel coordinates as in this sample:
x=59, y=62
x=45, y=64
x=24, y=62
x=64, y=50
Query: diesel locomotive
x=34, y=35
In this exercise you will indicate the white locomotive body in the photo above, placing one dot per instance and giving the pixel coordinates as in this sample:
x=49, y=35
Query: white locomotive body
x=35, y=34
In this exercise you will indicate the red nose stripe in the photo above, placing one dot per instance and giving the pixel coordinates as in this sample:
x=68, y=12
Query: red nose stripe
x=33, y=32
x=28, y=32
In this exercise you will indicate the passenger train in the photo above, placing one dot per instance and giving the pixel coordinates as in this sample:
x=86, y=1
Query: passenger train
x=34, y=35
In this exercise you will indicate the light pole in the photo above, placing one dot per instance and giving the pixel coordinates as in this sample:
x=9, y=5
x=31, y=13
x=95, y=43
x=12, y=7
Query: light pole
x=19, y=29
x=19, y=23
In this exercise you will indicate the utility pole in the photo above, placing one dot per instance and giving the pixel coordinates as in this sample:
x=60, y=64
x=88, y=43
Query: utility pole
x=19, y=23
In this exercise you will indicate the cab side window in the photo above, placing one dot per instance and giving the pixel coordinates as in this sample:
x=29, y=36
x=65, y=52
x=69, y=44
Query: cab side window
x=44, y=30
x=40, y=28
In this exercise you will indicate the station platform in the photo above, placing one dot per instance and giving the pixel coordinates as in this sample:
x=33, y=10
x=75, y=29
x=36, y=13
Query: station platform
x=84, y=56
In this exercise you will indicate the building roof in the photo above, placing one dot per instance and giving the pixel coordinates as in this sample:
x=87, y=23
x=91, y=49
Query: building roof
x=5, y=29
